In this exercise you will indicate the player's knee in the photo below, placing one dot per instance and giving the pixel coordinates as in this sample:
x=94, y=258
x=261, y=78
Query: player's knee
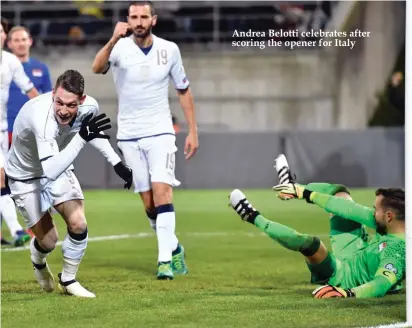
x=77, y=225
x=343, y=194
x=162, y=194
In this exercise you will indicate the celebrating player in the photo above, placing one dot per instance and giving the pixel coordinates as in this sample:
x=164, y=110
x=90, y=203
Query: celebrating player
x=357, y=267
x=41, y=177
x=142, y=64
x=11, y=70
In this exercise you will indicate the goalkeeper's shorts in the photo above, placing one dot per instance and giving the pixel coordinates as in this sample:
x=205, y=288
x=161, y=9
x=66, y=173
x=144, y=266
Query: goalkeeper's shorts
x=346, y=237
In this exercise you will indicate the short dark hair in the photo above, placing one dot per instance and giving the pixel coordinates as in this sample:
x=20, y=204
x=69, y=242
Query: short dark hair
x=143, y=3
x=71, y=81
x=5, y=24
x=394, y=199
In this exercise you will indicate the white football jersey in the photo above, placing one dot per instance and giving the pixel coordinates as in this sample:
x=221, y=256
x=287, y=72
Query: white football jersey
x=11, y=70
x=142, y=86
x=38, y=136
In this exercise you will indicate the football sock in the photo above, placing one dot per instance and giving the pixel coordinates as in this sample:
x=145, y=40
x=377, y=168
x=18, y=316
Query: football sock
x=287, y=237
x=165, y=230
x=327, y=188
x=74, y=247
x=38, y=254
x=152, y=216
x=8, y=212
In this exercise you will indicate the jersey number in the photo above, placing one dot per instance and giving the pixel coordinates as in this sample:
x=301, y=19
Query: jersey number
x=161, y=57
x=170, y=161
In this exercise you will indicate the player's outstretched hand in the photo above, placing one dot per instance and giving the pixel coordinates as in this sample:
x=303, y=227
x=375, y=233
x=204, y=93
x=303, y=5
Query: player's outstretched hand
x=289, y=190
x=191, y=145
x=125, y=173
x=91, y=127
x=121, y=30
x=329, y=291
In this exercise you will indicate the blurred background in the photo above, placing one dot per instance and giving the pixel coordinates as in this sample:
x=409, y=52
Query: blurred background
x=337, y=113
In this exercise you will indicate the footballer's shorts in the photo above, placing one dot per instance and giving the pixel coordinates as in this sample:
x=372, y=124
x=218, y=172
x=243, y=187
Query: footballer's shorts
x=152, y=159
x=34, y=198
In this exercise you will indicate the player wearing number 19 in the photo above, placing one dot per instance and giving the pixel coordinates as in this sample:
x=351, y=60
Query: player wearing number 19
x=39, y=168
x=142, y=64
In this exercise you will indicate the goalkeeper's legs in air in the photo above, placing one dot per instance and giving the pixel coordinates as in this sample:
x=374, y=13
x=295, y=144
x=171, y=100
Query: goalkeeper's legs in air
x=320, y=262
x=346, y=236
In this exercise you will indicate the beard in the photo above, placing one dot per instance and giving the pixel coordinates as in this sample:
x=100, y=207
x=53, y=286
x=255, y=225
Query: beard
x=144, y=34
x=381, y=229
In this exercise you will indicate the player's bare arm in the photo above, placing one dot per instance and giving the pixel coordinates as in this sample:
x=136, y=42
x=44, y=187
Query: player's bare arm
x=192, y=141
x=32, y=93
x=101, y=61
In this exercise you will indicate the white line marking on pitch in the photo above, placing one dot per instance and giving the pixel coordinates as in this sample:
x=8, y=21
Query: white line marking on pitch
x=146, y=235
x=395, y=325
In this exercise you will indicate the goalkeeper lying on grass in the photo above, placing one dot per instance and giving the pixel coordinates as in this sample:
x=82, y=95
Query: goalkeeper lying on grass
x=356, y=267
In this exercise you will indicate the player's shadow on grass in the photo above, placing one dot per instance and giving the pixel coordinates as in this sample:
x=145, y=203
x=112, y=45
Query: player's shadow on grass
x=335, y=170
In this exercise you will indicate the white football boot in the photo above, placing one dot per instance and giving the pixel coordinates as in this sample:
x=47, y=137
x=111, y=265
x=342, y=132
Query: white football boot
x=73, y=288
x=238, y=201
x=282, y=169
x=45, y=278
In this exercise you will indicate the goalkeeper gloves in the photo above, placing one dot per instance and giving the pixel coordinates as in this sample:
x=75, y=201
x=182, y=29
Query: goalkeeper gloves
x=329, y=291
x=288, y=191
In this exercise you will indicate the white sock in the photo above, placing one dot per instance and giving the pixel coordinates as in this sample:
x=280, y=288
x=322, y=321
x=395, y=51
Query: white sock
x=38, y=254
x=8, y=212
x=74, y=247
x=166, y=238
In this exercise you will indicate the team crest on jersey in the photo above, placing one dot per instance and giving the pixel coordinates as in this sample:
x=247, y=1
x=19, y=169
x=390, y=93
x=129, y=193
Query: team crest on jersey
x=391, y=268
x=382, y=246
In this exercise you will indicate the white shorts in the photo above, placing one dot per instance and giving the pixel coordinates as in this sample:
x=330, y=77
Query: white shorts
x=35, y=197
x=152, y=159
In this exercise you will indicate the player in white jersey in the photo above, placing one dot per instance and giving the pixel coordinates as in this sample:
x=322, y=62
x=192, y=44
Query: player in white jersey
x=11, y=70
x=39, y=169
x=142, y=65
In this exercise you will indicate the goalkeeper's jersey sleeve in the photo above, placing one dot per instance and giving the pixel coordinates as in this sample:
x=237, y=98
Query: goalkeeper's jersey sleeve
x=345, y=208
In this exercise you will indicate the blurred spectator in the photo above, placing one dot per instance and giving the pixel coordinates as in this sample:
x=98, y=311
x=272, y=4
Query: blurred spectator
x=90, y=21
x=396, y=91
x=20, y=42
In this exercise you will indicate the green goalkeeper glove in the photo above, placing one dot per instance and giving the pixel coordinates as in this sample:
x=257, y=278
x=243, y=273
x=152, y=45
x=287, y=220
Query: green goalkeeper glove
x=292, y=190
x=329, y=291
x=289, y=191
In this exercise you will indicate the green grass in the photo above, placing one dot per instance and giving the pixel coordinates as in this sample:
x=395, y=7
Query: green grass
x=235, y=280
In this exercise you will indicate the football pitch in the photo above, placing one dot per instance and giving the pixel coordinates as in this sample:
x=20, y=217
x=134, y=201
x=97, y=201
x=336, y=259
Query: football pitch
x=238, y=277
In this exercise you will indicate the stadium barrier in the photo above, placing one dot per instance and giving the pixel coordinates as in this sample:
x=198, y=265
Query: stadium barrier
x=360, y=158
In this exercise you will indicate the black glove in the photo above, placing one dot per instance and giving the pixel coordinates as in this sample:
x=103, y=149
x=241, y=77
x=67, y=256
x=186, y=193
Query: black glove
x=91, y=127
x=125, y=173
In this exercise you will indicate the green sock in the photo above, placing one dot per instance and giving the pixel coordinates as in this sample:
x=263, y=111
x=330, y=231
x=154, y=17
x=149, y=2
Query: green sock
x=326, y=188
x=287, y=237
